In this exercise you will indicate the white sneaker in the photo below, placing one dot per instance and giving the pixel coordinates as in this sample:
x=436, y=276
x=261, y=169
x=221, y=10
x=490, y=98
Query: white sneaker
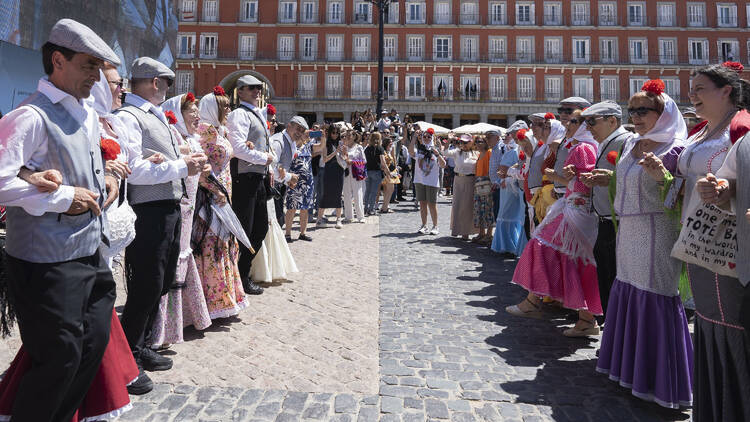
x=422, y=230
x=434, y=230
x=339, y=225
x=361, y=220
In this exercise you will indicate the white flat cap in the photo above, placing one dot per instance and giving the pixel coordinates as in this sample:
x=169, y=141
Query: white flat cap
x=493, y=132
x=604, y=108
x=81, y=39
x=537, y=116
x=577, y=101
x=147, y=68
x=518, y=125
x=248, y=80
x=300, y=121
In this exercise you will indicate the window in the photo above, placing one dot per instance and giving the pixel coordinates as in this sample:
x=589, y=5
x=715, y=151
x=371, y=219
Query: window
x=497, y=49
x=525, y=87
x=553, y=88
x=469, y=48
x=361, y=86
x=335, y=12
x=308, y=47
x=415, y=12
x=286, y=47
x=667, y=50
x=208, y=46
x=442, y=87
x=608, y=50
x=608, y=87
x=334, y=85
x=442, y=49
x=288, y=12
x=581, y=50
x=470, y=87
x=696, y=14
x=726, y=14
x=469, y=13
x=607, y=13
x=583, y=87
x=525, y=49
x=309, y=12
x=672, y=88
x=184, y=81
x=335, y=47
x=185, y=46
x=443, y=13
x=390, y=86
x=390, y=43
x=665, y=14
x=498, y=87
x=249, y=11
x=552, y=13
x=498, y=13
x=636, y=83
x=729, y=50
x=552, y=49
x=580, y=11
x=248, y=45
x=187, y=10
x=524, y=13
x=638, y=50
x=362, y=12
x=210, y=10
x=361, y=47
x=747, y=14
x=635, y=14
x=415, y=47
x=414, y=86
x=306, y=88
x=698, y=51
x=392, y=16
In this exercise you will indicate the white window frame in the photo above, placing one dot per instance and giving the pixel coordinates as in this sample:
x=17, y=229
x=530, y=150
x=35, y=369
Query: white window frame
x=247, y=52
x=364, y=90
x=306, y=82
x=635, y=83
x=212, y=51
x=553, y=51
x=447, y=80
x=188, y=10
x=361, y=53
x=606, y=82
x=588, y=91
x=442, y=47
x=498, y=13
x=334, y=85
x=283, y=18
x=390, y=47
x=393, y=13
x=469, y=12
x=615, y=55
x=470, y=48
x=553, y=88
x=552, y=13
x=190, y=53
x=335, y=15
x=578, y=58
x=410, y=19
x=285, y=53
x=672, y=87
x=641, y=21
x=731, y=15
x=693, y=59
x=580, y=17
x=249, y=11
x=747, y=15
x=335, y=54
x=531, y=18
x=667, y=57
x=410, y=94
x=443, y=18
x=644, y=50
x=665, y=13
x=525, y=55
x=390, y=90
x=497, y=55
x=696, y=19
x=360, y=15
x=303, y=16
x=184, y=81
x=206, y=16
x=607, y=13
x=414, y=45
x=526, y=88
x=735, y=46
x=466, y=93
x=498, y=87
x=303, y=54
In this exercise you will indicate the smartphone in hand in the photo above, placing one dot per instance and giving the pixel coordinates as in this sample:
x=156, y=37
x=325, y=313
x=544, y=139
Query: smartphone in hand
x=316, y=134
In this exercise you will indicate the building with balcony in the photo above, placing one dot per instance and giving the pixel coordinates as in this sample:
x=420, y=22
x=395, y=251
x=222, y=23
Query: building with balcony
x=453, y=61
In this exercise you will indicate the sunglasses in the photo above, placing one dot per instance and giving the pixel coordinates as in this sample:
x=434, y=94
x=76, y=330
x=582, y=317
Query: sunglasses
x=168, y=81
x=116, y=83
x=575, y=121
x=565, y=110
x=591, y=121
x=641, y=111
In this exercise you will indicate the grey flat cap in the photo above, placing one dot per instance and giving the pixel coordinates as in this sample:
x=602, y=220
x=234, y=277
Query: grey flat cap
x=300, y=121
x=537, y=116
x=518, y=125
x=604, y=108
x=147, y=68
x=577, y=101
x=493, y=132
x=248, y=80
x=81, y=39
x=689, y=110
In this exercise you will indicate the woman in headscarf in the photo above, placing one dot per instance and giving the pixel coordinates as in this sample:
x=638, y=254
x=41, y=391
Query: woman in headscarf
x=646, y=346
x=216, y=251
x=462, y=207
x=558, y=261
x=510, y=237
x=553, y=132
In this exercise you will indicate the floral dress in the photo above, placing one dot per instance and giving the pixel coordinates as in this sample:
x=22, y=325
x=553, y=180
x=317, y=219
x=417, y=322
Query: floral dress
x=300, y=197
x=217, y=257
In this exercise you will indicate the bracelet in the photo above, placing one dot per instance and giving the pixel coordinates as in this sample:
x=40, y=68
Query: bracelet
x=109, y=173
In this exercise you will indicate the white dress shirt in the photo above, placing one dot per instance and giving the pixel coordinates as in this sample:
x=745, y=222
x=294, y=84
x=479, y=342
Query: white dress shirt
x=238, y=125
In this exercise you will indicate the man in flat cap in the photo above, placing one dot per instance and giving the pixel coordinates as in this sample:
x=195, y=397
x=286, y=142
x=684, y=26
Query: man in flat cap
x=284, y=147
x=62, y=288
x=564, y=110
x=246, y=124
x=604, y=121
x=151, y=258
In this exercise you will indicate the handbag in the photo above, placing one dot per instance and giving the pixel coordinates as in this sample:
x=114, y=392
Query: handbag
x=482, y=187
x=359, y=170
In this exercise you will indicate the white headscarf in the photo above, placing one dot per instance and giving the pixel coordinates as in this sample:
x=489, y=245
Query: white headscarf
x=101, y=97
x=584, y=135
x=557, y=131
x=670, y=128
x=209, y=110
x=174, y=105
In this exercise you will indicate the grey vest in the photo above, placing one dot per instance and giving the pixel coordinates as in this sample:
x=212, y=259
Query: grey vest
x=54, y=237
x=155, y=137
x=258, y=135
x=600, y=194
x=285, y=161
x=535, y=170
x=560, y=157
x=742, y=205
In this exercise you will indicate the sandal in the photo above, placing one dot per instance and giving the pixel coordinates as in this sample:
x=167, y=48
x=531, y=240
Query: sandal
x=517, y=311
x=591, y=330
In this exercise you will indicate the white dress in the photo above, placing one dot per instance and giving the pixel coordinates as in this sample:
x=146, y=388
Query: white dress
x=274, y=260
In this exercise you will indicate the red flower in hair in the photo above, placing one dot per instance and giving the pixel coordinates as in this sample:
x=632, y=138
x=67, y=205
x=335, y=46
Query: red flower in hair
x=655, y=86
x=737, y=67
x=170, y=117
x=270, y=110
x=431, y=131
x=521, y=134
x=110, y=149
x=549, y=116
x=522, y=156
x=219, y=91
x=612, y=157
x=190, y=97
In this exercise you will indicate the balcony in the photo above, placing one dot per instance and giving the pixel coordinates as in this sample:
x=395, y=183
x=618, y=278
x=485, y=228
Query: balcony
x=335, y=18
x=727, y=21
x=469, y=19
x=581, y=19
x=208, y=53
x=608, y=20
x=244, y=17
x=553, y=20
x=362, y=18
x=186, y=54
x=442, y=19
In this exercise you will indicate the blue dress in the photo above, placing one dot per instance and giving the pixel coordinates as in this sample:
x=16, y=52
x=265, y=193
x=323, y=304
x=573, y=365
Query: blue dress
x=509, y=232
x=300, y=197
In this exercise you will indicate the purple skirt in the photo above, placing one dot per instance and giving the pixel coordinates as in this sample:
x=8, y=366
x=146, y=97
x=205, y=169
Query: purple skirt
x=646, y=346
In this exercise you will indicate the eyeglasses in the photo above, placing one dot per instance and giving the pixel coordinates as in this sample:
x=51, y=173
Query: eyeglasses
x=116, y=83
x=591, y=121
x=565, y=110
x=575, y=121
x=168, y=81
x=641, y=111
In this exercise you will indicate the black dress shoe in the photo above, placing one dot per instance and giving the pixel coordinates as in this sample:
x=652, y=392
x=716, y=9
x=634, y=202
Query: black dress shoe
x=141, y=385
x=288, y=239
x=305, y=237
x=251, y=288
x=152, y=361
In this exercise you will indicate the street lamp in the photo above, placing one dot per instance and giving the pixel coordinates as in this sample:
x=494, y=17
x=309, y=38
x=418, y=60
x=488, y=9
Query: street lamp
x=382, y=6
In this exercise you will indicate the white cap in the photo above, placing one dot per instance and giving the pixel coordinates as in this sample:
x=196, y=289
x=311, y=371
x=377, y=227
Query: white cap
x=147, y=68
x=577, y=101
x=300, y=121
x=248, y=80
x=604, y=108
x=81, y=39
x=518, y=125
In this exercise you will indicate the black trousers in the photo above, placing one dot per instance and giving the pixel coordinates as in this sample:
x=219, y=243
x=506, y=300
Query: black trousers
x=151, y=262
x=495, y=202
x=249, y=203
x=64, y=312
x=278, y=203
x=606, y=261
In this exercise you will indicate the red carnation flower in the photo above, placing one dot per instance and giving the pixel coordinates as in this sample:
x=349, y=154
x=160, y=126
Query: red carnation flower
x=549, y=116
x=737, y=67
x=539, y=143
x=612, y=157
x=522, y=156
x=431, y=131
x=170, y=117
x=271, y=110
x=189, y=97
x=568, y=145
x=110, y=149
x=521, y=134
x=219, y=91
x=655, y=86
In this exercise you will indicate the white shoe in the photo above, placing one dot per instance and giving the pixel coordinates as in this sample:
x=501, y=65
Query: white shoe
x=422, y=230
x=339, y=225
x=434, y=230
x=361, y=220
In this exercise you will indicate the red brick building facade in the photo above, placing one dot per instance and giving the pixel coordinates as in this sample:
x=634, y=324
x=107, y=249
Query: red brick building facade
x=454, y=61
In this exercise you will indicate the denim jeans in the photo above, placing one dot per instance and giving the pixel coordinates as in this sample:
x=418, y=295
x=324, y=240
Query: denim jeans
x=371, y=189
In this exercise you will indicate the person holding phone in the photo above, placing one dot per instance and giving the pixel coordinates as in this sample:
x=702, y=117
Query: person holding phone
x=300, y=196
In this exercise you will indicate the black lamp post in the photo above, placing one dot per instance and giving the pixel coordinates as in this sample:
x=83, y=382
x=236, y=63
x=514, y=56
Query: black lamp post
x=382, y=6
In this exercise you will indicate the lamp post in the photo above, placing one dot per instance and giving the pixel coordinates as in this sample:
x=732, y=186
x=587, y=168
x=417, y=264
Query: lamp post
x=382, y=6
